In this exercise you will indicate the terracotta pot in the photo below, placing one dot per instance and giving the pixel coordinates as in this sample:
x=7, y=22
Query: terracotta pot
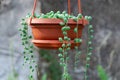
x=51, y=44
x=47, y=31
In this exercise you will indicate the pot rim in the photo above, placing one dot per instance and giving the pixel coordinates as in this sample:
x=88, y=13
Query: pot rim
x=36, y=21
x=49, y=41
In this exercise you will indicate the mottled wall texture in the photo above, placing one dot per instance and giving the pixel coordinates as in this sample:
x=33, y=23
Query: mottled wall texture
x=106, y=17
x=11, y=58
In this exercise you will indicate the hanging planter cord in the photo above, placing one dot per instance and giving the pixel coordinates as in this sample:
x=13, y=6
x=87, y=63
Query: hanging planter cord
x=69, y=8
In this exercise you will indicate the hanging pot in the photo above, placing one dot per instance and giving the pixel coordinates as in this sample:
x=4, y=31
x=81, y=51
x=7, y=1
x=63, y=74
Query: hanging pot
x=47, y=31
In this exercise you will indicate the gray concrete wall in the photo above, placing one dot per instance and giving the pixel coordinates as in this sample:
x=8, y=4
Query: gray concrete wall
x=106, y=17
x=11, y=12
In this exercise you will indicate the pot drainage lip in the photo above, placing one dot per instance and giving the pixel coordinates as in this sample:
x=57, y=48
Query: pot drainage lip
x=48, y=41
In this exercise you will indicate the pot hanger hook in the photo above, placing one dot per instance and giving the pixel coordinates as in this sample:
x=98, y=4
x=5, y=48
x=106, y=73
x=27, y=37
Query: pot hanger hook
x=79, y=6
x=33, y=11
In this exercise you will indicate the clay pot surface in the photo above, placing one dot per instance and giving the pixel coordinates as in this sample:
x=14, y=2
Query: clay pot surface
x=51, y=44
x=47, y=31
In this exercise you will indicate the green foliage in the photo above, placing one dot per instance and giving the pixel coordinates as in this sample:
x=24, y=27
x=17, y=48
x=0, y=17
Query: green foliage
x=77, y=40
x=89, y=47
x=30, y=77
x=28, y=46
x=54, y=69
x=65, y=40
x=102, y=73
x=44, y=77
x=13, y=76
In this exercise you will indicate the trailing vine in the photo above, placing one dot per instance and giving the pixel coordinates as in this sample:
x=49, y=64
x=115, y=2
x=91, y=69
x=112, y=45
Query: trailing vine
x=28, y=47
x=89, y=47
x=78, y=52
x=65, y=40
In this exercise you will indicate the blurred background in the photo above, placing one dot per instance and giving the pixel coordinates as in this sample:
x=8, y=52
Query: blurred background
x=106, y=17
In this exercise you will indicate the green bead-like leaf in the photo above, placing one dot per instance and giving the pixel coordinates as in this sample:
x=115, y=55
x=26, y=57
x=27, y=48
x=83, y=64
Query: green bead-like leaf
x=75, y=29
x=65, y=38
x=31, y=46
x=68, y=48
x=27, y=58
x=26, y=42
x=80, y=16
x=64, y=33
x=76, y=47
x=67, y=58
x=64, y=12
x=30, y=37
x=23, y=19
x=62, y=24
x=24, y=53
x=24, y=38
x=36, y=65
x=30, y=67
x=60, y=55
x=75, y=19
x=89, y=18
x=58, y=12
x=91, y=31
x=21, y=35
x=65, y=20
x=20, y=29
x=23, y=43
x=65, y=53
x=90, y=26
x=91, y=36
x=32, y=56
x=24, y=31
x=31, y=76
x=90, y=48
x=87, y=65
x=69, y=39
x=24, y=35
x=59, y=16
x=77, y=40
x=86, y=17
x=28, y=15
x=60, y=49
x=51, y=12
x=63, y=45
x=60, y=39
x=69, y=44
x=62, y=59
x=26, y=48
x=32, y=70
x=86, y=77
x=45, y=16
x=24, y=56
x=31, y=51
x=33, y=61
x=78, y=53
x=89, y=42
x=64, y=28
x=61, y=64
x=89, y=54
x=23, y=23
x=88, y=59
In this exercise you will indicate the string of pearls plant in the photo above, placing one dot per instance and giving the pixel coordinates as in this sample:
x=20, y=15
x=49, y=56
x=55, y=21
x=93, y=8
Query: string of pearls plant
x=90, y=32
x=66, y=44
x=28, y=47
